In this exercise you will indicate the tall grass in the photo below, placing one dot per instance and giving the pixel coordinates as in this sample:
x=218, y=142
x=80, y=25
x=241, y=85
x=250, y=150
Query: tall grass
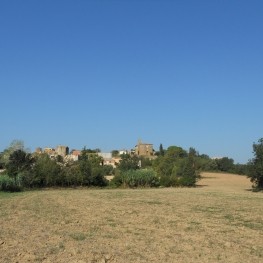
x=8, y=184
x=136, y=178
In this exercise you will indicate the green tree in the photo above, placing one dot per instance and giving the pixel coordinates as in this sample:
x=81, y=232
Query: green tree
x=256, y=165
x=90, y=165
x=95, y=160
x=225, y=164
x=1, y=161
x=192, y=152
x=19, y=161
x=108, y=169
x=241, y=169
x=85, y=166
x=189, y=173
x=165, y=165
x=145, y=162
x=97, y=176
x=177, y=167
x=72, y=174
x=176, y=152
x=209, y=165
x=46, y=172
x=161, y=150
x=14, y=146
x=128, y=162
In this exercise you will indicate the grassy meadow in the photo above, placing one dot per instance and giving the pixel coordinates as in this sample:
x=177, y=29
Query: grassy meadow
x=221, y=220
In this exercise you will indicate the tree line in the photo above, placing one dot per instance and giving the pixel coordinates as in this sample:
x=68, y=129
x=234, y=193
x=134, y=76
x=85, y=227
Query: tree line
x=172, y=167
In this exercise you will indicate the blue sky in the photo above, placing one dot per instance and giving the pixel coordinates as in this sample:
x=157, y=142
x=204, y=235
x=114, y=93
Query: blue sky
x=103, y=74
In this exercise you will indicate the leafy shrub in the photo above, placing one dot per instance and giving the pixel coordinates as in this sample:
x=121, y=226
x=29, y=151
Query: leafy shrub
x=168, y=181
x=187, y=181
x=97, y=178
x=136, y=178
x=9, y=184
x=29, y=179
x=128, y=163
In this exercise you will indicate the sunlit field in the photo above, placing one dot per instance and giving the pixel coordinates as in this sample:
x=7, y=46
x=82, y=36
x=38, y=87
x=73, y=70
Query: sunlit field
x=221, y=220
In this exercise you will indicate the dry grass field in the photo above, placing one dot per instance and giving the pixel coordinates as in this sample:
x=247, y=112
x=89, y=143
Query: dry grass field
x=219, y=221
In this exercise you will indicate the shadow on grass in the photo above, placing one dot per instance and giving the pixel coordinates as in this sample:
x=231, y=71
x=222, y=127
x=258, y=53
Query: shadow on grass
x=254, y=190
x=201, y=185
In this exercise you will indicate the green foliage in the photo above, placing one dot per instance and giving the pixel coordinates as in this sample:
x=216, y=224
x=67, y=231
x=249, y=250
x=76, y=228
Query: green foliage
x=163, y=166
x=91, y=169
x=46, y=172
x=136, y=178
x=73, y=175
x=177, y=168
x=30, y=179
x=189, y=181
x=241, y=169
x=225, y=164
x=9, y=184
x=95, y=160
x=128, y=162
x=2, y=165
x=85, y=168
x=185, y=171
x=161, y=150
x=256, y=165
x=19, y=161
x=108, y=170
x=59, y=159
x=90, y=150
x=168, y=164
x=169, y=181
x=176, y=152
x=97, y=177
x=173, y=167
x=209, y=165
x=145, y=162
x=14, y=146
x=192, y=152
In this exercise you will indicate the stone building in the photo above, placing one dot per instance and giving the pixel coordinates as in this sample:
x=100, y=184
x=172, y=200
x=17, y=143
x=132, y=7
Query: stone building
x=38, y=150
x=62, y=150
x=49, y=151
x=144, y=149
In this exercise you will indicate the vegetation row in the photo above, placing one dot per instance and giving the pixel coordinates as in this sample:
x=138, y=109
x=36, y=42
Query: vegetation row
x=172, y=167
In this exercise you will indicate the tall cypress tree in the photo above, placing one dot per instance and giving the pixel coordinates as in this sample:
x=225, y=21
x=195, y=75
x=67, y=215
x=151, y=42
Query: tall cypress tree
x=161, y=151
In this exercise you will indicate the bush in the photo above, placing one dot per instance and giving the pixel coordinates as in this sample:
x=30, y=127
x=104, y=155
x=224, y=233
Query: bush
x=188, y=181
x=136, y=178
x=29, y=179
x=9, y=184
x=168, y=181
x=97, y=178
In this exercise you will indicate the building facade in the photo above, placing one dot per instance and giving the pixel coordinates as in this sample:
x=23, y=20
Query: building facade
x=144, y=149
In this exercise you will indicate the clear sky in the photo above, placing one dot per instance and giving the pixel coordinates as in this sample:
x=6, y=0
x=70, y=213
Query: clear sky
x=103, y=74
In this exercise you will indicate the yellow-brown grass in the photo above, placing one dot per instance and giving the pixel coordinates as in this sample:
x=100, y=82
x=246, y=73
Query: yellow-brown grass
x=219, y=221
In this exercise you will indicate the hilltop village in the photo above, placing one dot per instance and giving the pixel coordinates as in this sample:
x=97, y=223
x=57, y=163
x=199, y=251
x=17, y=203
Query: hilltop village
x=140, y=166
x=109, y=158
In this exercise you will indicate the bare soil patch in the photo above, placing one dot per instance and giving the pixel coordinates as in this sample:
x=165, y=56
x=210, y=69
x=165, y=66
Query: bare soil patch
x=219, y=221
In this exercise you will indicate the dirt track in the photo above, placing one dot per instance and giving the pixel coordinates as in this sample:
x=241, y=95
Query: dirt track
x=219, y=221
